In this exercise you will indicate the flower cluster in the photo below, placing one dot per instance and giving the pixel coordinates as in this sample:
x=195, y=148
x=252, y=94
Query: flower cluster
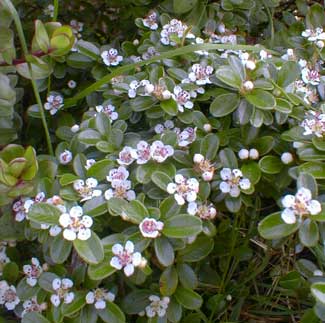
x=299, y=205
x=314, y=124
x=184, y=189
x=233, y=181
x=61, y=288
x=54, y=103
x=316, y=36
x=126, y=258
x=121, y=186
x=174, y=30
x=75, y=224
x=86, y=189
x=150, y=228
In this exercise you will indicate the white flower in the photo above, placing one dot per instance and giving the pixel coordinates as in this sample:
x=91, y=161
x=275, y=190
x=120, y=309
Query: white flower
x=157, y=307
x=286, y=158
x=310, y=76
x=204, y=167
x=243, y=154
x=264, y=55
x=33, y=271
x=32, y=305
x=175, y=28
x=49, y=10
x=89, y=163
x=233, y=181
x=314, y=124
x=19, y=209
x=8, y=296
x=99, y=297
x=150, y=228
x=186, y=137
x=75, y=128
x=250, y=65
x=111, y=57
x=4, y=259
x=313, y=35
x=127, y=156
x=125, y=257
x=248, y=85
x=204, y=211
x=299, y=205
x=54, y=103
x=142, y=152
x=253, y=153
x=76, y=27
x=320, y=44
x=117, y=174
x=200, y=74
x=120, y=189
x=72, y=84
x=61, y=288
x=150, y=21
x=182, y=98
x=75, y=224
x=183, y=189
x=160, y=152
x=86, y=189
x=65, y=157
x=109, y=110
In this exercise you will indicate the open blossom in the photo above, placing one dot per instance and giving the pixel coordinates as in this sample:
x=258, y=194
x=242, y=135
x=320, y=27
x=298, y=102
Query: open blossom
x=299, y=205
x=109, y=110
x=77, y=27
x=65, y=157
x=314, y=124
x=139, y=88
x=32, y=305
x=159, y=152
x=76, y=225
x=8, y=296
x=54, y=103
x=22, y=206
x=203, y=210
x=175, y=28
x=204, y=167
x=49, y=10
x=99, y=297
x=150, y=21
x=182, y=98
x=4, y=259
x=310, y=76
x=125, y=257
x=168, y=125
x=61, y=288
x=33, y=271
x=186, y=137
x=200, y=74
x=117, y=174
x=313, y=35
x=127, y=156
x=120, y=189
x=86, y=189
x=157, y=307
x=233, y=181
x=143, y=152
x=151, y=52
x=111, y=57
x=150, y=228
x=89, y=163
x=184, y=189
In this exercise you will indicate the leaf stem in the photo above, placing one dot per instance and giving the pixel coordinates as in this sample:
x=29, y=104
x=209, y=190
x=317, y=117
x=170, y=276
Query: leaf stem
x=56, y=10
x=23, y=43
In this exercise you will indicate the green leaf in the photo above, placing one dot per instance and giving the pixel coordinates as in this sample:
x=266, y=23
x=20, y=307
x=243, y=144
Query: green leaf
x=188, y=298
x=273, y=227
x=44, y=213
x=89, y=137
x=228, y=158
x=161, y=179
x=252, y=172
x=288, y=73
x=318, y=291
x=78, y=302
x=169, y=106
x=315, y=16
x=45, y=281
x=307, y=181
x=103, y=124
x=95, y=206
x=197, y=250
x=60, y=249
x=100, y=169
x=237, y=65
x=112, y=314
x=41, y=36
x=209, y=146
x=187, y=276
x=308, y=233
x=224, y=104
x=101, y=270
x=25, y=291
x=34, y=317
x=136, y=301
x=91, y=250
x=10, y=272
x=261, y=99
x=228, y=76
x=164, y=251
x=136, y=211
x=316, y=169
x=168, y=281
x=182, y=6
x=270, y=165
x=319, y=143
x=182, y=226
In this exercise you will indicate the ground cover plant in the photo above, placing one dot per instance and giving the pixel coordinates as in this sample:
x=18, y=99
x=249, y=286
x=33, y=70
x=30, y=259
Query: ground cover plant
x=162, y=161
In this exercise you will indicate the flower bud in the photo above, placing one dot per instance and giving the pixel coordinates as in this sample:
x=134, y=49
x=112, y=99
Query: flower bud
x=198, y=158
x=207, y=127
x=248, y=85
x=251, y=65
x=320, y=44
x=286, y=158
x=243, y=154
x=75, y=128
x=253, y=154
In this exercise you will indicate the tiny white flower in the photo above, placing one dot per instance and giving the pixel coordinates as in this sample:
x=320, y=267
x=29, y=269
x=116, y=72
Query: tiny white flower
x=200, y=74
x=248, y=85
x=207, y=127
x=75, y=128
x=99, y=297
x=310, y=76
x=72, y=84
x=243, y=154
x=150, y=228
x=204, y=210
x=49, y=10
x=159, y=152
x=286, y=158
x=127, y=156
x=186, y=137
x=65, y=157
x=109, y=110
x=111, y=57
x=32, y=305
x=250, y=65
x=75, y=224
x=150, y=21
x=143, y=152
x=253, y=153
x=54, y=103
x=86, y=189
x=183, y=189
x=125, y=258
x=157, y=307
x=314, y=124
x=89, y=163
x=61, y=288
x=233, y=181
x=8, y=296
x=33, y=271
x=182, y=98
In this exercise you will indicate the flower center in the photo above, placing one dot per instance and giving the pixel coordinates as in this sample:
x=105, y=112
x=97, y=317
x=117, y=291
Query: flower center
x=10, y=296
